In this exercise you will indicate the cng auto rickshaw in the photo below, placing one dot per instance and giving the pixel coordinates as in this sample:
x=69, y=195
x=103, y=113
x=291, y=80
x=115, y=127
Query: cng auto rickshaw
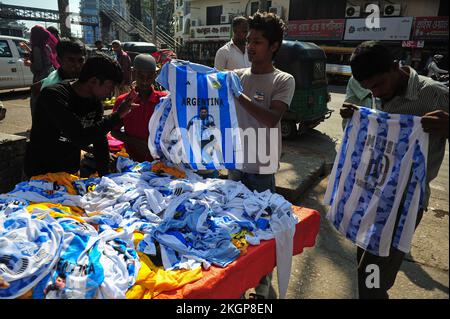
x=307, y=63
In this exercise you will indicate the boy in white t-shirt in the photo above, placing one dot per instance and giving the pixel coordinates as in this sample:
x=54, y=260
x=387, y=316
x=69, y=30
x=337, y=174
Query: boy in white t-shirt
x=267, y=94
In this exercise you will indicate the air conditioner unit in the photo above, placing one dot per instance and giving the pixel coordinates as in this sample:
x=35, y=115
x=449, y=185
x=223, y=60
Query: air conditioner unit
x=278, y=10
x=352, y=11
x=195, y=23
x=392, y=10
x=224, y=19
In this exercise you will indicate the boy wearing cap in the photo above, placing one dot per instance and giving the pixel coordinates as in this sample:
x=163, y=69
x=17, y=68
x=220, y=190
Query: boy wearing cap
x=135, y=124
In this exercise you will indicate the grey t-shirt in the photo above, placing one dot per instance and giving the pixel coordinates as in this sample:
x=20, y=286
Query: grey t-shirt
x=261, y=153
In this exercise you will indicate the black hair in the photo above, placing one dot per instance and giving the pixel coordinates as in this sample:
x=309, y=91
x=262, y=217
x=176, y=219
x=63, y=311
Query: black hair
x=101, y=67
x=271, y=25
x=98, y=42
x=371, y=58
x=237, y=21
x=62, y=275
x=66, y=45
x=53, y=31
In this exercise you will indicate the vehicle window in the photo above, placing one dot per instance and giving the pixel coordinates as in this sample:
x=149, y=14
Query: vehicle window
x=22, y=52
x=5, y=51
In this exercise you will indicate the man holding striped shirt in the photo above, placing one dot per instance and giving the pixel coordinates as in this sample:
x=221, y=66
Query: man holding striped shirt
x=402, y=91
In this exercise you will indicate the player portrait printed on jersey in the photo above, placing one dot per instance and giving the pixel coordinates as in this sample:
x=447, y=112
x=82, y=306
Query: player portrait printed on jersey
x=204, y=116
x=378, y=177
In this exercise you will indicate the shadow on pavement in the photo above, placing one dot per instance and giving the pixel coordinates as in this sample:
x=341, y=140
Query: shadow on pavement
x=22, y=94
x=314, y=279
x=417, y=275
x=315, y=142
x=24, y=134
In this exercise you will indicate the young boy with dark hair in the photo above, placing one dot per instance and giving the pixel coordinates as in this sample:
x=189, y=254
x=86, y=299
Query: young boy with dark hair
x=402, y=91
x=135, y=124
x=267, y=94
x=71, y=55
x=69, y=117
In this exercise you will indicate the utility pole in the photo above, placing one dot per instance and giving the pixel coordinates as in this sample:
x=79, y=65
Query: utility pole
x=155, y=9
x=64, y=22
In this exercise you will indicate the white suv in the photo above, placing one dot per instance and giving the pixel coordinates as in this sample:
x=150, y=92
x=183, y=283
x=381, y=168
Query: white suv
x=13, y=73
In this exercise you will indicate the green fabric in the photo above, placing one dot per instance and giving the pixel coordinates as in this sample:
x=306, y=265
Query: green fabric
x=358, y=95
x=52, y=78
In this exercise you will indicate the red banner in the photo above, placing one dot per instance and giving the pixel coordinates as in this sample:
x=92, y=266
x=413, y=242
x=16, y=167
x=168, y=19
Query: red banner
x=430, y=28
x=316, y=29
x=413, y=44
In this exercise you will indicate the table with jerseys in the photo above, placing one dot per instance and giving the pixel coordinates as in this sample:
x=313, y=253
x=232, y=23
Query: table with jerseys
x=149, y=231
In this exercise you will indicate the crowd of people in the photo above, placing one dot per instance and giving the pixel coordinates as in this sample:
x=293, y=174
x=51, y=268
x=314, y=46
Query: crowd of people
x=68, y=117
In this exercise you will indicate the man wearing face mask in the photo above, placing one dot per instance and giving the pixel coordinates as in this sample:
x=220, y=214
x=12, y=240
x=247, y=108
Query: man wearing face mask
x=233, y=55
x=135, y=124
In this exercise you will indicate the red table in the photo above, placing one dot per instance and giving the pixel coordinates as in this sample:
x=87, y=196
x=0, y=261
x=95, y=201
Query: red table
x=245, y=272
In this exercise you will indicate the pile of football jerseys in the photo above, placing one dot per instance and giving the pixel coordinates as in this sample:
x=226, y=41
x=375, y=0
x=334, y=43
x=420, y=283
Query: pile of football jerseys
x=135, y=227
x=378, y=178
x=196, y=124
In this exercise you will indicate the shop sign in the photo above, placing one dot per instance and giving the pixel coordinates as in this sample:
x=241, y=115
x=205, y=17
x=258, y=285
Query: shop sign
x=316, y=29
x=430, y=28
x=413, y=44
x=211, y=31
x=390, y=29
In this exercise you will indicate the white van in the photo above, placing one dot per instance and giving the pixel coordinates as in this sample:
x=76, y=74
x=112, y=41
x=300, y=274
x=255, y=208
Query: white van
x=13, y=73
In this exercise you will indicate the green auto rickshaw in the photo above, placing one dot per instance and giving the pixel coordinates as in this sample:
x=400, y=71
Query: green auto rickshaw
x=307, y=63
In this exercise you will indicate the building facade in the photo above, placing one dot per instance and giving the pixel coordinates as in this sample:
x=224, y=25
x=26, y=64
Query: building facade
x=203, y=26
x=108, y=29
x=90, y=34
x=415, y=29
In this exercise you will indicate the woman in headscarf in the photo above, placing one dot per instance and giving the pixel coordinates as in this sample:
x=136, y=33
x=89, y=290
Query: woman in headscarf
x=43, y=53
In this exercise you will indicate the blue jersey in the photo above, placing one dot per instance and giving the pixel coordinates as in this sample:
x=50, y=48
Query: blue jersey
x=29, y=250
x=382, y=160
x=207, y=141
x=78, y=265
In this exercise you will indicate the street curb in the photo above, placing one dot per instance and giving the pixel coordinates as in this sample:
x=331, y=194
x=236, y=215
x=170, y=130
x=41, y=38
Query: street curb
x=293, y=195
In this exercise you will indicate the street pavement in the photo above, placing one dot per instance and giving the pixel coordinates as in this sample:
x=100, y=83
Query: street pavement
x=329, y=269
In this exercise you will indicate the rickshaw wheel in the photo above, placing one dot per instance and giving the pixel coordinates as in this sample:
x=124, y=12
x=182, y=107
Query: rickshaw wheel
x=288, y=129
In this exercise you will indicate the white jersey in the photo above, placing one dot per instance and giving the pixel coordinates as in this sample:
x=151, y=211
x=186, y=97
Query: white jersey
x=382, y=158
x=29, y=250
x=199, y=124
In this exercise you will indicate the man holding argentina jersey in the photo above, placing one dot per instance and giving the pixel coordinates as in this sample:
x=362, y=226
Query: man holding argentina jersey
x=402, y=91
x=266, y=95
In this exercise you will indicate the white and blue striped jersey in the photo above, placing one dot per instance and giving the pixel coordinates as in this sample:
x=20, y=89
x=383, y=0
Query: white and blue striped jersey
x=379, y=172
x=204, y=115
x=78, y=264
x=29, y=250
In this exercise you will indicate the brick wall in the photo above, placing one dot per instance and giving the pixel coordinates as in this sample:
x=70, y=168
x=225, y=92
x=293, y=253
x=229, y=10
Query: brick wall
x=12, y=153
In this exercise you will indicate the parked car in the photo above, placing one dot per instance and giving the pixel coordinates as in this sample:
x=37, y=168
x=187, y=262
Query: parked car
x=135, y=48
x=13, y=72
